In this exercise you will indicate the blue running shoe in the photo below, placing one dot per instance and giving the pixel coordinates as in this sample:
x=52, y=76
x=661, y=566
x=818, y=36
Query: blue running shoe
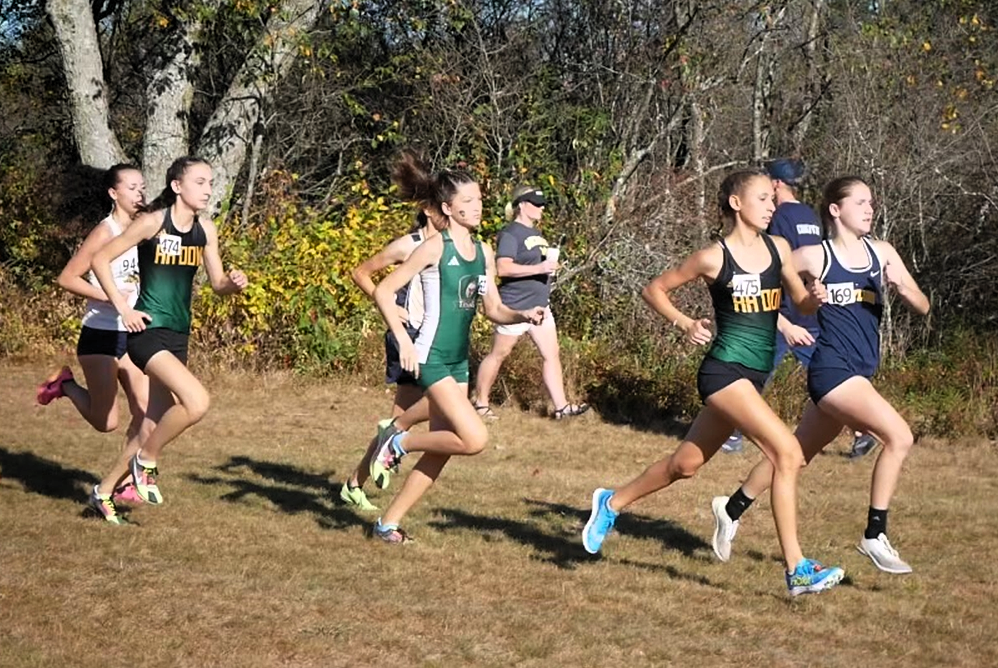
x=390, y=533
x=810, y=577
x=600, y=521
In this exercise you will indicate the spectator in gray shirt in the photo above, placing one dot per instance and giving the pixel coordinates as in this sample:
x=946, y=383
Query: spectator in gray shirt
x=524, y=271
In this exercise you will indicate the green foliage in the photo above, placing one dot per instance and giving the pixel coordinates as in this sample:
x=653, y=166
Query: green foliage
x=32, y=246
x=951, y=388
x=301, y=308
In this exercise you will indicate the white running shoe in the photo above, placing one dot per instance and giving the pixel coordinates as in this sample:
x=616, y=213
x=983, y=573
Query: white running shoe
x=883, y=555
x=725, y=528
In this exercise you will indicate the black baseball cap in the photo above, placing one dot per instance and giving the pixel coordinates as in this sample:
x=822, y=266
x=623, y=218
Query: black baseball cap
x=535, y=197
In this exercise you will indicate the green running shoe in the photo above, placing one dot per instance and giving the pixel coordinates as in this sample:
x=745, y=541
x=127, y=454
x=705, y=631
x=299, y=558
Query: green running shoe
x=104, y=506
x=355, y=496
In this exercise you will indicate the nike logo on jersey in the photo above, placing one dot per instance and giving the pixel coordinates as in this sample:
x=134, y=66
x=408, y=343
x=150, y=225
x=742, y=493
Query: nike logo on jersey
x=454, y=262
x=874, y=274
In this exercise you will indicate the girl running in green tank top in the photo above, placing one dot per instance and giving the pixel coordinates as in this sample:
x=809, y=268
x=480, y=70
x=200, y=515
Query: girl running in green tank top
x=456, y=270
x=410, y=406
x=172, y=242
x=746, y=306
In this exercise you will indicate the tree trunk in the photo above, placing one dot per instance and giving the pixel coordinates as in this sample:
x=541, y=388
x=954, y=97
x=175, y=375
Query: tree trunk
x=229, y=131
x=81, y=61
x=815, y=87
x=768, y=21
x=760, y=103
x=169, y=96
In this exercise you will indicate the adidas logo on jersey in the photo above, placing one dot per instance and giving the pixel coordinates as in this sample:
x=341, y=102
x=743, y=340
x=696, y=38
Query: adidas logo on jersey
x=454, y=262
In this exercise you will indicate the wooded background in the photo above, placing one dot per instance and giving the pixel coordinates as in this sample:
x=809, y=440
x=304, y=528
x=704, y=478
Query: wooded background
x=626, y=112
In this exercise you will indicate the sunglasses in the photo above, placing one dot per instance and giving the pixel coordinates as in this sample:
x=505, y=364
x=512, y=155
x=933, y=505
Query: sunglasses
x=535, y=198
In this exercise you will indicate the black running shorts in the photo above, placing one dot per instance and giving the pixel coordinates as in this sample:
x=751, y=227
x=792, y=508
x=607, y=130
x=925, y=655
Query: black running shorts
x=108, y=342
x=142, y=346
x=715, y=375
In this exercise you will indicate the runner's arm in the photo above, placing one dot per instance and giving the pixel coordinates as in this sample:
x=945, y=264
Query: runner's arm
x=221, y=283
x=71, y=278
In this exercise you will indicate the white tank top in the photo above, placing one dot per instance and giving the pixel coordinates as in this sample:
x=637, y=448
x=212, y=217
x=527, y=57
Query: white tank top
x=414, y=295
x=125, y=269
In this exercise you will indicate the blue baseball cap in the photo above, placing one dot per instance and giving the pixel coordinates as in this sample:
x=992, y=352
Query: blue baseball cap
x=787, y=170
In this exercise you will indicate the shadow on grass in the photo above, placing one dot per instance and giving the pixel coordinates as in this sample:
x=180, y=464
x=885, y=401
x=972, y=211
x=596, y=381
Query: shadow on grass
x=38, y=475
x=281, y=473
x=560, y=542
x=755, y=555
x=290, y=489
x=672, y=572
x=672, y=536
x=561, y=551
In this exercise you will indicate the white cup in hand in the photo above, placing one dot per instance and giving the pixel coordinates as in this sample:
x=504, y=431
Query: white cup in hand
x=551, y=255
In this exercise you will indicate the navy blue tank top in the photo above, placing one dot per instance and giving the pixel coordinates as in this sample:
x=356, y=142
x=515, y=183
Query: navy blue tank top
x=850, y=321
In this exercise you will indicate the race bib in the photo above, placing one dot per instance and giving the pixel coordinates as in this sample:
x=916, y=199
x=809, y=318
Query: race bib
x=170, y=244
x=746, y=285
x=841, y=294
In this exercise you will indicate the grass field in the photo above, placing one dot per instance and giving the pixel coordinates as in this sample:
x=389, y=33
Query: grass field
x=253, y=562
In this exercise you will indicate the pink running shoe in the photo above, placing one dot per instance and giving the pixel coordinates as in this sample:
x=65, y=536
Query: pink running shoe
x=127, y=494
x=52, y=387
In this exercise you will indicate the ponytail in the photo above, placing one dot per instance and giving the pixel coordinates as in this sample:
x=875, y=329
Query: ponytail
x=416, y=183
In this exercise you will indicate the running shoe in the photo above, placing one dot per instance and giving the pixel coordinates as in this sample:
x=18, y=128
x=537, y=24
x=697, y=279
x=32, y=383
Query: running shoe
x=355, y=496
x=735, y=443
x=883, y=555
x=390, y=533
x=127, y=494
x=387, y=455
x=51, y=389
x=104, y=506
x=862, y=445
x=144, y=480
x=725, y=528
x=810, y=577
x=601, y=521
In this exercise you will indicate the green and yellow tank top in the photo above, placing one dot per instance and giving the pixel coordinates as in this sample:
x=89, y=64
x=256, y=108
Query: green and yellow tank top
x=746, y=307
x=168, y=262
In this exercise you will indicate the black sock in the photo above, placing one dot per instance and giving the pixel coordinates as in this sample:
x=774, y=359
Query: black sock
x=737, y=504
x=876, y=523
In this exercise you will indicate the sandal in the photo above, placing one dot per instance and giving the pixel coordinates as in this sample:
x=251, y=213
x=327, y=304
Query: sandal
x=486, y=413
x=570, y=410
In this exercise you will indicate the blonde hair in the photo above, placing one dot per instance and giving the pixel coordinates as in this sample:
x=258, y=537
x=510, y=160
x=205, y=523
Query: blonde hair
x=512, y=211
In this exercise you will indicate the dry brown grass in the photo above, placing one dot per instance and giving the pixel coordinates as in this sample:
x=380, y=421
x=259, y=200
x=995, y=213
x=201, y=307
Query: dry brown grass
x=252, y=563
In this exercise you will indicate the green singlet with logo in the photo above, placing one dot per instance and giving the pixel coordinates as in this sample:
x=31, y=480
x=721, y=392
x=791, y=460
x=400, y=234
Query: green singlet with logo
x=746, y=307
x=168, y=262
x=450, y=299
